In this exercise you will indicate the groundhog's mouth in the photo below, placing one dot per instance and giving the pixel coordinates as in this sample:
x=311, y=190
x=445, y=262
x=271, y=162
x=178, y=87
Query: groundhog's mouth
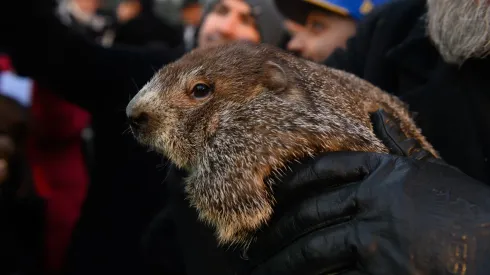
x=142, y=136
x=151, y=141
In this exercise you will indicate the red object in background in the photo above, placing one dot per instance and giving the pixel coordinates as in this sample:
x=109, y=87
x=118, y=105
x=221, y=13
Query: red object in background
x=57, y=163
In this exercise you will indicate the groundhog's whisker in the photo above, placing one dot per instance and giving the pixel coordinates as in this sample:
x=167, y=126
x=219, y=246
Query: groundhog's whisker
x=163, y=165
x=136, y=86
x=126, y=131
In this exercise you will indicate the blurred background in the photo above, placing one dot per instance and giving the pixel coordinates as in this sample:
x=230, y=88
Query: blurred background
x=77, y=193
x=167, y=10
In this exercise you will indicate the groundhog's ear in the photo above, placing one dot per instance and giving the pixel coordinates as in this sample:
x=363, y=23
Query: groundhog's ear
x=275, y=78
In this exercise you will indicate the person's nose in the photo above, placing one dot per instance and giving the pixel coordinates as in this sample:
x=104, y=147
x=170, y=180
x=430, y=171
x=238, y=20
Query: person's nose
x=228, y=26
x=296, y=44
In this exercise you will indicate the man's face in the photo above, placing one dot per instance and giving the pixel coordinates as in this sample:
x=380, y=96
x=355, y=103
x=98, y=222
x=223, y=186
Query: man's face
x=293, y=27
x=128, y=10
x=191, y=14
x=229, y=20
x=321, y=35
x=460, y=29
x=89, y=6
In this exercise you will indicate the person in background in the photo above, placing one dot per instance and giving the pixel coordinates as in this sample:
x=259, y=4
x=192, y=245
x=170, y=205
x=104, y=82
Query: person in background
x=127, y=189
x=21, y=209
x=60, y=145
x=327, y=24
x=83, y=16
x=59, y=167
x=138, y=25
x=232, y=20
x=55, y=156
x=127, y=10
x=293, y=27
x=190, y=13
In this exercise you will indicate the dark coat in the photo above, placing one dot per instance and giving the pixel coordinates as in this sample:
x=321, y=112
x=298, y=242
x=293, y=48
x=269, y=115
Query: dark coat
x=390, y=50
x=450, y=103
x=148, y=29
x=21, y=210
x=125, y=191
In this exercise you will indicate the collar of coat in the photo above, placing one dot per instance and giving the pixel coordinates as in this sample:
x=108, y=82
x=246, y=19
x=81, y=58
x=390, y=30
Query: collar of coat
x=416, y=44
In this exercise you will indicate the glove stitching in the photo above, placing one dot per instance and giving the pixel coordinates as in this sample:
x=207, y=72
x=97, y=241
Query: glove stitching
x=388, y=134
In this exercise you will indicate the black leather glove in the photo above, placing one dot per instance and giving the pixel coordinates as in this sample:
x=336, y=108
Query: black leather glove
x=368, y=213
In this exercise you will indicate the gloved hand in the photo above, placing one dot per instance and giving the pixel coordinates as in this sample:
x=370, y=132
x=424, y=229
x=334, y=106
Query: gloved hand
x=369, y=213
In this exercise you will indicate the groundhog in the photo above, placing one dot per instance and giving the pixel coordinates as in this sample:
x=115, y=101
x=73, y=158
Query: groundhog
x=233, y=115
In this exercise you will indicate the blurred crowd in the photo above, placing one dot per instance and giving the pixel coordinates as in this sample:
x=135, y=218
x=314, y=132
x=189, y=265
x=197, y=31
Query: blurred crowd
x=78, y=195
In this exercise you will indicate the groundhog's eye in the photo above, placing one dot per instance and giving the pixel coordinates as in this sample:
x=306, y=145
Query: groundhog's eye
x=201, y=90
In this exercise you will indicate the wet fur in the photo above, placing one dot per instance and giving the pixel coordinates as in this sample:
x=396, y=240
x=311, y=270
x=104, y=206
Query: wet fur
x=268, y=108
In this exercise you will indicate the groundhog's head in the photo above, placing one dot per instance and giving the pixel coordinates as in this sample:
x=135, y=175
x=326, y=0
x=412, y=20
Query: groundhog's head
x=180, y=108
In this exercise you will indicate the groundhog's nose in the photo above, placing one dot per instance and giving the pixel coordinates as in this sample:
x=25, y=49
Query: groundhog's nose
x=138, y=120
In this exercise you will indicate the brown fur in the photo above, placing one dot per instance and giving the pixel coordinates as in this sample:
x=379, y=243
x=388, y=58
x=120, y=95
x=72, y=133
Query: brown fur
x=268, y=107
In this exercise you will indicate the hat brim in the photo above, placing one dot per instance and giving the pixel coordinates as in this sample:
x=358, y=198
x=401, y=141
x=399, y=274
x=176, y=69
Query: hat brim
x=295, y=10
x=298, y=10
